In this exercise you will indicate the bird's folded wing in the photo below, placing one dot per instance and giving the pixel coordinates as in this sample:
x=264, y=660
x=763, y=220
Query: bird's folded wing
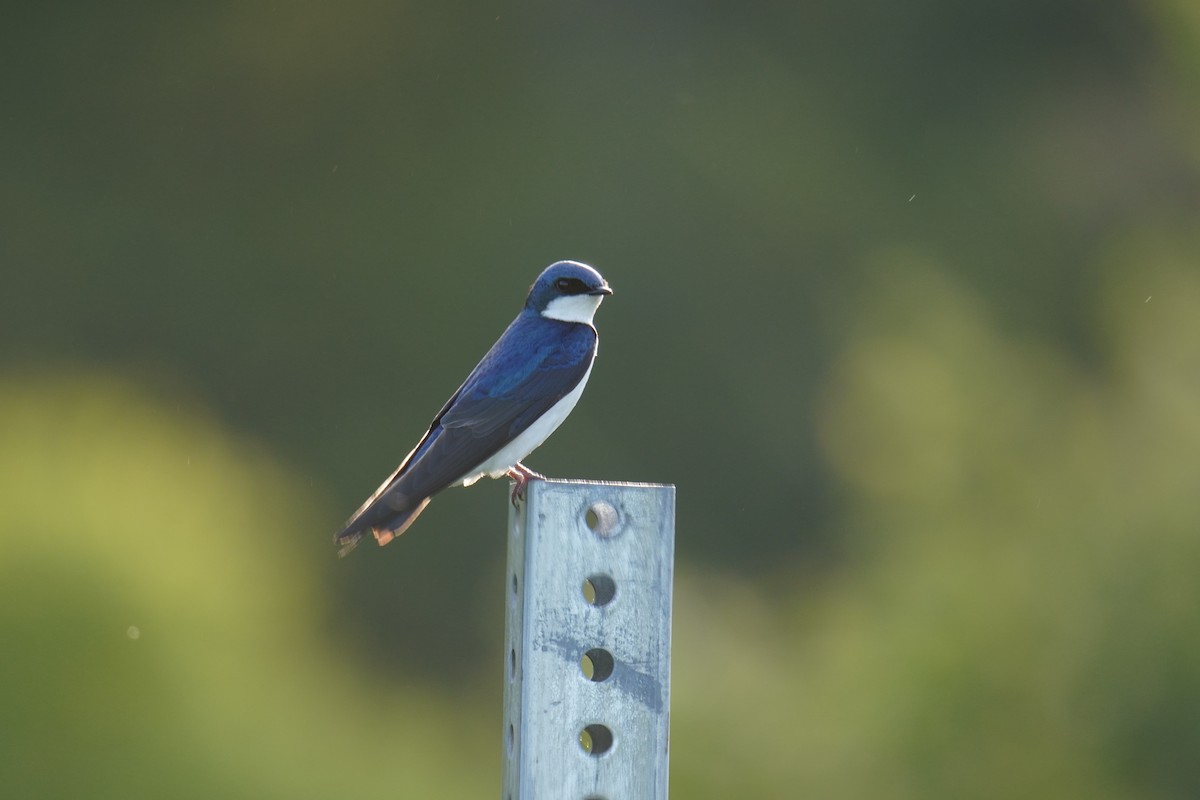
x=499, y=401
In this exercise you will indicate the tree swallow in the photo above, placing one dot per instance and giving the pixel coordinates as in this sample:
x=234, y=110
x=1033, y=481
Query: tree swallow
x=511, y=402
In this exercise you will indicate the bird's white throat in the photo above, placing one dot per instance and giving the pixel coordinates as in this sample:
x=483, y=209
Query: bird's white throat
x=573, y=308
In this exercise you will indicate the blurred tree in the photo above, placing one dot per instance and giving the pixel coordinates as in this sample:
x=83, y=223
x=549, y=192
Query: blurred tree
x=161, y=638
x=1017, y=620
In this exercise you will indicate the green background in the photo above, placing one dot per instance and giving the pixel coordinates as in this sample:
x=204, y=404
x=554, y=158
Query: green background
x=907, y=305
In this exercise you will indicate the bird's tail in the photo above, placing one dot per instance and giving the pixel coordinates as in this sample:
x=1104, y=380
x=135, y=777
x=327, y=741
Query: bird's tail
x=384, y=529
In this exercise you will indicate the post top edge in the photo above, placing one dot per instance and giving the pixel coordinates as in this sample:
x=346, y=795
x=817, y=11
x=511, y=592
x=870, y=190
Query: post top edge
x=614, y=484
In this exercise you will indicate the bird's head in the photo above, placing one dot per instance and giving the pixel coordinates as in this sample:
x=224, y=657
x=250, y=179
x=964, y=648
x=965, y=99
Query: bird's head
x=567, y=291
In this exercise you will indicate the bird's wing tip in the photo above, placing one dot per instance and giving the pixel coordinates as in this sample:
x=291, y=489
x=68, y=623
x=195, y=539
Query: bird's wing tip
x=346, y=543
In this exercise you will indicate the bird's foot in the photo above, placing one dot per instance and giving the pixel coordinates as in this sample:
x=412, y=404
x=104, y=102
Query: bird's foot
x=522, y=475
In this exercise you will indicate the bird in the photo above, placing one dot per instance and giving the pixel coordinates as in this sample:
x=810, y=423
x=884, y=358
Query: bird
x=517, y=395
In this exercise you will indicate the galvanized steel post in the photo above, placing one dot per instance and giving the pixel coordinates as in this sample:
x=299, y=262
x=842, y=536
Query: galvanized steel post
x=588, y=641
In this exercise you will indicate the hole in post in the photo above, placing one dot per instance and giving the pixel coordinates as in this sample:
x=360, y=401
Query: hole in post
x=515, y=593
x=512, y=736
x=512, y=665
x=599, y=590
x=596, y=739
x=601, y=518
x=597, y=664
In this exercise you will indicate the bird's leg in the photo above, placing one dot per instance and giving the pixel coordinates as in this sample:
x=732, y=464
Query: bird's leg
x=522, y=475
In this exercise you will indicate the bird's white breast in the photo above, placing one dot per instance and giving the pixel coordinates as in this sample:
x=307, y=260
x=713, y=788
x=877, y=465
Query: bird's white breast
x=529, y=439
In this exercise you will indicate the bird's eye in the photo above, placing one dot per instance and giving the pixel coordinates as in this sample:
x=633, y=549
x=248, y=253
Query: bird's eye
x=570, y=285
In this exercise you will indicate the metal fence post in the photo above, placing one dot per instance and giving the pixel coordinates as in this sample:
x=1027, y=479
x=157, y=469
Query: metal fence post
x=588, y=641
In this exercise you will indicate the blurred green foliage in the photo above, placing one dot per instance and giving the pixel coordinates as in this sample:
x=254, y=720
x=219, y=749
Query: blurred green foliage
x=1015, y=620
x=160, y=633
x=906, y=306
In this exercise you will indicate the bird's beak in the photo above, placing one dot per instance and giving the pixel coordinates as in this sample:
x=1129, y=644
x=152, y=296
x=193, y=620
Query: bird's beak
x=602, y=290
